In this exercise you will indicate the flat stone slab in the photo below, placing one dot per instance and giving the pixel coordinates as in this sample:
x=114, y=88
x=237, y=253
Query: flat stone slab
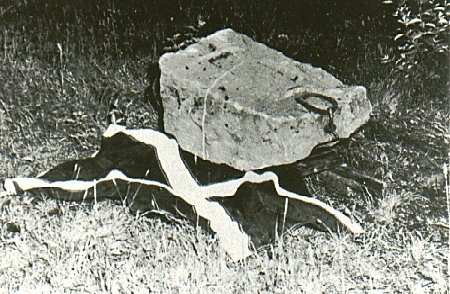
x=146, y=171
x=229, y=99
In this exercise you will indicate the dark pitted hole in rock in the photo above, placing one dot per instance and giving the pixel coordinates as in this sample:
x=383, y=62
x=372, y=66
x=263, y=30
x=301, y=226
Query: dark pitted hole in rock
x=236, y=137
x=330, y=128
x=212, y=47
x=198, y=102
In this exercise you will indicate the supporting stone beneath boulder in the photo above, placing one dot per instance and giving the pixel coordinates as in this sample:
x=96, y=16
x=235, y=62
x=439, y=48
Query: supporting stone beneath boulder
x=146, y=170
x=229, y=99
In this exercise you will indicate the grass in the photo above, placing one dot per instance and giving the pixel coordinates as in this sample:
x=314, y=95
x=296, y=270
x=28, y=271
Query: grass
x=54, y=104
x=103, y=248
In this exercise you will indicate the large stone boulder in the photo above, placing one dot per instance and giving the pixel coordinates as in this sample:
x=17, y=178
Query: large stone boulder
x=229, y=99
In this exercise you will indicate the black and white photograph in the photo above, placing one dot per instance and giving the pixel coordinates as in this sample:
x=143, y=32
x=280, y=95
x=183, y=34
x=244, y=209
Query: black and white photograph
x=224, y=146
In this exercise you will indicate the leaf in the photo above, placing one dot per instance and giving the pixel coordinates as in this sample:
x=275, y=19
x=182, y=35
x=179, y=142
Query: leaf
x=413, y=21
x=398, y=37
x=442, y=21
x=417, y=36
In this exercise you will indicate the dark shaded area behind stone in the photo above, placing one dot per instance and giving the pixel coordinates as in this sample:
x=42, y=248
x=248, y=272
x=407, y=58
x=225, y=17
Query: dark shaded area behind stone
x=120, y=152
x=152, y=92
x=139, y=160
x=251, y=204
x=261, y=212
x=206, y=172
x=150, y=200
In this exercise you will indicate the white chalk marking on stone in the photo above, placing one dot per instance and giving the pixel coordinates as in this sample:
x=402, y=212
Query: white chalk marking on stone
x=205, y=100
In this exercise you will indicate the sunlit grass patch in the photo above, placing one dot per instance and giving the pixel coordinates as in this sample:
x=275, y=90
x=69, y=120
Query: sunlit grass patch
x=387, y=210
x=103, y=247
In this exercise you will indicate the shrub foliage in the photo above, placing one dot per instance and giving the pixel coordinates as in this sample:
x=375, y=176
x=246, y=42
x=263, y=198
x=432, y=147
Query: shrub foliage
x=422, y=40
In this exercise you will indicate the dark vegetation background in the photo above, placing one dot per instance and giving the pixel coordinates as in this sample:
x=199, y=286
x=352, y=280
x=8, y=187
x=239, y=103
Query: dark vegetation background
x=344, y=37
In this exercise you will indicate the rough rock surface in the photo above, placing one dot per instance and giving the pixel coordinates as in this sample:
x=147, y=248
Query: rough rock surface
x=229, y=99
